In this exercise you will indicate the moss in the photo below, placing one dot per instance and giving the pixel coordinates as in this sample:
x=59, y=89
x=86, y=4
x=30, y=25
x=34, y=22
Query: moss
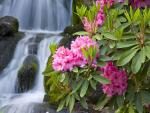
x=27, y=74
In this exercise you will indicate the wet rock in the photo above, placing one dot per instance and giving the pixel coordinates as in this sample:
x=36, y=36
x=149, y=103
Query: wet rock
x=8, y=26
x=32, y=48
x=70, y=30
x=7, y=48
x=66, y=41
x=68, y=35
x=27, y=74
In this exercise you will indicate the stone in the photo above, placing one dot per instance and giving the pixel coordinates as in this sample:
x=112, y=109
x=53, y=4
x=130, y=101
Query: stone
x=7, y=49
x=8, y=26
x=27, y=74
x=68, y=35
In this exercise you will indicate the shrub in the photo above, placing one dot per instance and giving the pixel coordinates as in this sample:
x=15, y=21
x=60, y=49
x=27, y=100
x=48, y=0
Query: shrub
x=114, y=51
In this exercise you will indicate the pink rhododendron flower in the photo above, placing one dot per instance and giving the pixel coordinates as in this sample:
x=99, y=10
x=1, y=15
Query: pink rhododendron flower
x=100, y=18
x=82, y=42
x=90, y=27
x=118, y=79
x=102, y=3
x=139, y=3
x=66, y=60
x=63, y=59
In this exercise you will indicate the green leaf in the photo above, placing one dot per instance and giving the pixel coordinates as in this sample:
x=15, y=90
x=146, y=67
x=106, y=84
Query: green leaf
x=138, y=103
x=75, y=70
x=76, y=96
x=130, y=95
x=143, y=55
x=81, y=33
x=81, y=11
x=120, y=100
x=101, y=79
x=93, y=84
x=71, y=103
x=147, y=51
x=131, y=109
x=61, y=105
x=102, y=102
x=53, y=48
x=105, y=58
x=98, y=37
x=109, y=35
x=84, y=103
x=123, y=26
x=145, y=97
x=131, y=12
x=84, y=88
x=62, y=77
x=136, y=63
x=126, y=44
x=120, y=110
x=77, y=87
x=126, y=57
x=136, y=15
x=128, y=16
x=112, y=44
x=67, y=100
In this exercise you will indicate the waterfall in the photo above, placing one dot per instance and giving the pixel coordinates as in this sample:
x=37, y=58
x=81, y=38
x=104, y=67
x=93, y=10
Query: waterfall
x=12, y=69
x=48, y=17
x=21, y=103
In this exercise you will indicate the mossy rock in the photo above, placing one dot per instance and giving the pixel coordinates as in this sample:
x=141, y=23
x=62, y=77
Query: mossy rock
x=8, y=26
x=27, y=74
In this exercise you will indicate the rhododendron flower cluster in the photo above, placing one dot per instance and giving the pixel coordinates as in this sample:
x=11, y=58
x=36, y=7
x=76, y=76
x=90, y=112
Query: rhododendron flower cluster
x=66, y=60
x=118, y=80
x=63, y=59
x=100, y=18
x=90, y=27
x=139, y=3
x=105, y=2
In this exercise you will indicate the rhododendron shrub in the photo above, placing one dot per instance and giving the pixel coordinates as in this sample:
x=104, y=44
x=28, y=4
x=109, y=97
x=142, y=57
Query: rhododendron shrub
x=111, y=59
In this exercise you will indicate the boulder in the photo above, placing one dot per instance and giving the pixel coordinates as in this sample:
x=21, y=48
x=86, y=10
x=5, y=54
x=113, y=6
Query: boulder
x=66, y=41
x=7, y=48
x=27, y=74
x=8, y=26
x=68, y=35
x=72, y=29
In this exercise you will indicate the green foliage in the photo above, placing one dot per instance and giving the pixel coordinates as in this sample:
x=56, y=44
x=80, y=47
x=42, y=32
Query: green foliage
x=84, y=11
x=125, y=31
x=123, y=39
x=67, y=88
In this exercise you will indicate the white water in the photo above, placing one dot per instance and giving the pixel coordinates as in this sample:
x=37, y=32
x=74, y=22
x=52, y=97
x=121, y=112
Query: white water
x=9, y=76
x=21, y=103
x=48, y=15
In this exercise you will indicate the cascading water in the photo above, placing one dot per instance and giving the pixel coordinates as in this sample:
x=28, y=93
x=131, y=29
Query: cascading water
x=48, y=15
x=34, y=16
x=21, y=103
